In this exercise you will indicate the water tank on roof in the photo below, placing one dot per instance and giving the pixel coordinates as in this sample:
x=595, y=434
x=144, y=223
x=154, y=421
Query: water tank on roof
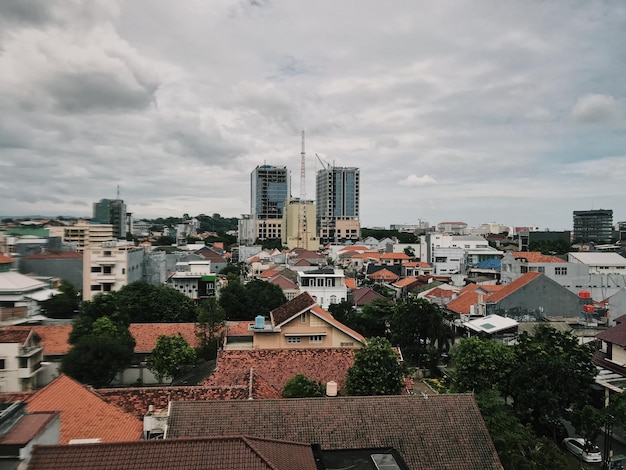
x=259, y=322
x=331, y=389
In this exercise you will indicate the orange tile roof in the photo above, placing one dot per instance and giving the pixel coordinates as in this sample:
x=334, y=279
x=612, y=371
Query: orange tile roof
x=395, y=256
x=367, y=255
x=406, y=281
x=84, y=415
x=5, y=259
x=383, y=275
x=463, y=303
x=146, y=334
x=350, y=282
x=513, y=286
x=439, y=293
x=340, y=326
x=277, y=366
x=239, y=328
x=15, y=336
x=355, y=248
x=537, y=257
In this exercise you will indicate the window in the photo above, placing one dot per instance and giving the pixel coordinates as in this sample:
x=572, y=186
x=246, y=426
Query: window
x=107, y=270
x=96, y=269
x=1, y=363
x=303, y=318
x=560, y=271
x=346, y=344
x=96, y=287
x=333, y=299
x=23, y=362
x=293, y=339
x=317, y=339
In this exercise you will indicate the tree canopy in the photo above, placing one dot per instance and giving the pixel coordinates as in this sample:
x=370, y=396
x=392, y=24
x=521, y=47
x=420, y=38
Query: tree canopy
x=170, y=355
x=246, y=301
x=210, y=328
x=376, y=370
x=299, y=386
x=63, y=305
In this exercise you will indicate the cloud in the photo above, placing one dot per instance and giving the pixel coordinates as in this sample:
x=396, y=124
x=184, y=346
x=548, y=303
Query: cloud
x=414, y=180
x=596, y=109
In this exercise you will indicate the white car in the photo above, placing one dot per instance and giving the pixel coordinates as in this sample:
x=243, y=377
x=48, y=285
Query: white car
x=588, y=452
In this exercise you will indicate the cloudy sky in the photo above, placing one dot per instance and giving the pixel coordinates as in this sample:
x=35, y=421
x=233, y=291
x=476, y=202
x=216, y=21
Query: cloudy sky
x=476, y=111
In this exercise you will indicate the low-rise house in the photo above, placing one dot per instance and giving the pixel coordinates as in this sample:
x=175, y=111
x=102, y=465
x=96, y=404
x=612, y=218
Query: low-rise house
x=441, y=432
x=364, y=296
x=194, y=279
x=325, y=285
x=301, y=323
x=20, y=360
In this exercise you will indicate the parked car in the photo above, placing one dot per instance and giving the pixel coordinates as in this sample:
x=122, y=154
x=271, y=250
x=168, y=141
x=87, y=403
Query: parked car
x=586, y=451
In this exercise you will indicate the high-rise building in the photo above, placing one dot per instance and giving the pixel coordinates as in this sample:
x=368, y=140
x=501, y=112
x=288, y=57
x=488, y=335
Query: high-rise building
x=337, y=198
x=112, y=211
x=594, y=225
x=270, y=187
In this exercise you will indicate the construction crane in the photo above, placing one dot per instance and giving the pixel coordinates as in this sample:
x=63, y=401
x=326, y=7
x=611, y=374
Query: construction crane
x=325, y=165
x=303, y=236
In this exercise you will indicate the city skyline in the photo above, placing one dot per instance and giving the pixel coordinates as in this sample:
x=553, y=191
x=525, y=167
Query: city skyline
x=471, y=111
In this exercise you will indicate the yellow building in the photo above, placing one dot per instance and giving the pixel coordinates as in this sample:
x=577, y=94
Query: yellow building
x=299, y=225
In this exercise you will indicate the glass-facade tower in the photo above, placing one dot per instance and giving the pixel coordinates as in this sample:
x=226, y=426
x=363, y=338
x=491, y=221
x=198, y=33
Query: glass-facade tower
x=337, y=198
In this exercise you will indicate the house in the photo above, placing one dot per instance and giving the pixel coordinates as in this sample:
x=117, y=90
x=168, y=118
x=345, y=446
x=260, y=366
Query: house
x=213, y=256
x=364, y=296
x=233, y=452
x=301, y=323
x=325, y=285
x=416, y=268
x=441, y=432
x=20, y=295
x=289, y=287
x=21, y=431
x=20, y=360
x=492, y=326
x=194, y=279
x=84, y=415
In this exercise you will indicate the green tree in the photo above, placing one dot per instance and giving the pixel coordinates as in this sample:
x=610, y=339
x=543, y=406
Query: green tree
x=588, y=421
x=245, y=302
x=101, y=348
x=210, y=328
x=170, y=355
x=517, y=446
x=232, y=299
x=63, y=305
x=148, y=303
x=300, y=386
x=164, y=240
x=376, y=370
x=552, y=373
x=343, y=312
x=96, y=360
x=481, y=364
x=375, y=318
x=416, y=324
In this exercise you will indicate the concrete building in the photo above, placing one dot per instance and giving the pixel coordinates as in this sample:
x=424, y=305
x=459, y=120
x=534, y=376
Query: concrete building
x=453, y=254
x=194, y=279
x=109, y=267
x=83, y=234
x=326, y=285
x=20, y=360
x=112, y=211
x=593, y=226
x=300, y=225
x=270, y=187
x=338, y=202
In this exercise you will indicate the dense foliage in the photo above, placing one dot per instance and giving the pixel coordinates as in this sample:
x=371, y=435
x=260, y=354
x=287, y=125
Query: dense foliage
x=210, y=328
x=380, y=234
x=246, y=301
x=376, y=370
x=170, y=355
x=63, y=305
x=300, y=386
x=143, y=302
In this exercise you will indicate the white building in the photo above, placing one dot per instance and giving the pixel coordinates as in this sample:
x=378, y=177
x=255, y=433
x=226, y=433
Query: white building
x=600, y=263
x=194, y=279
x=327, y=285
x=20, y=360
x=110, y=266
x=452, y=254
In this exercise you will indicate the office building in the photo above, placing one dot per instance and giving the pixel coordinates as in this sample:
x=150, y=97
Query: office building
x=269, y=189
x=337, y=197
x=593, y=226
x=112, y=211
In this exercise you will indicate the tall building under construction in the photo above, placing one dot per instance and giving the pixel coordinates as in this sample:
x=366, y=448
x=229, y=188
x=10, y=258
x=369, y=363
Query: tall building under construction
x=337, y=198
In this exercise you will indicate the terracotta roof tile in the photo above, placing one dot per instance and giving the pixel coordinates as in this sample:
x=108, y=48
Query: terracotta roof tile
x=282, y=282
x=27, y=428
x=320, y=312
x=406, y=281
x=350, y=282
x=615, y=335
x=146, y=334
x=400, y=256
x=536, y=257
x=277, y=366
x=239, y=328
x=15, y=336
x=384, y=275
x=365, y=295
x=84, y=415
x=237, y=452
x=286, y=311
x=441, y=432
x=5, y=259
x=439, y=293
x=513, y=286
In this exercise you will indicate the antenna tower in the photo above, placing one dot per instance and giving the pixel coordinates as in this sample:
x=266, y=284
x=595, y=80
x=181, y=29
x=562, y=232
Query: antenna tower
x=303, y=235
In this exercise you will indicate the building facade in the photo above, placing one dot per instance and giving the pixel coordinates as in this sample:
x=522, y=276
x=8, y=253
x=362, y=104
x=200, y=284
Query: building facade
x=338, y=200
x=112, y=211
x=299, y=225
x=593, y=226
x=270, y=187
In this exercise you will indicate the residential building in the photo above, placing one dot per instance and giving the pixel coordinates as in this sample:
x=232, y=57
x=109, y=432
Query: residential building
x=194, y=279
x=594, y=225
x=20, y=360
x=300, y=225
x=426, y=433
x=65, y=265
x=83, y=234
x=112, y=211
x=338, y=202
x=22, y=431
x=451, y=254
x=301, y=323
x=600, y=263
x=325, y=285
x=109, y=267
x=20, y=295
